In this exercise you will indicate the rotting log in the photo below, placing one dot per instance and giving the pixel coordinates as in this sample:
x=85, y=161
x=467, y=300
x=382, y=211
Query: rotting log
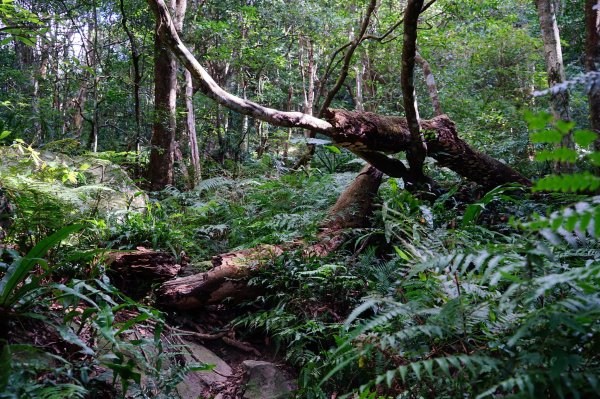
x=134, y=272
x=230, y=272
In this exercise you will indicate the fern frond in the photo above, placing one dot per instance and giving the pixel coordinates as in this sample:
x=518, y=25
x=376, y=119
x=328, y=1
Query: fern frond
x=448, y=365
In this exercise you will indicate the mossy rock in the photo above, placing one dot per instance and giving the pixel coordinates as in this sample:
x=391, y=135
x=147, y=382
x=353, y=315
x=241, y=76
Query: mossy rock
x=82, y=183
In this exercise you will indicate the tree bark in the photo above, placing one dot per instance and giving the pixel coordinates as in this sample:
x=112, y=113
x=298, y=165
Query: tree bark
x=165, y=103
x=418, y=149
x=191, y=129
x=163, y=128
x=554, y=67
x=431, y=86
x=228, y=277
x=134, y=272
x=592, y=57
x=372, y=136
x=308, y=88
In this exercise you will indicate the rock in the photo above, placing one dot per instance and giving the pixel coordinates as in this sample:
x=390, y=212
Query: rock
x=198, y=383
x=266, y=381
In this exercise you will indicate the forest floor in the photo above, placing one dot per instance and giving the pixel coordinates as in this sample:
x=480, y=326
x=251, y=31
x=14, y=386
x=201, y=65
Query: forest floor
x=451, y=280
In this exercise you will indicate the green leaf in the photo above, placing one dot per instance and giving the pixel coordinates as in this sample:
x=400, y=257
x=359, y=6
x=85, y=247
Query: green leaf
x=428, y=364
x=443, y=364
x=389, y=377
x=20, y=268
x=546, y=136
x=537, y=121
x=69, y=335
x=584, y=138
x=562, y=154
x=594, y=158
x=576, y=182
x=333, y=149
x=565, y=126
x=417, y=369
x=401, y=253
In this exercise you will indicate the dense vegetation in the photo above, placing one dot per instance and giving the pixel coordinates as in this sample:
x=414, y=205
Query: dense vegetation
x=434, y=282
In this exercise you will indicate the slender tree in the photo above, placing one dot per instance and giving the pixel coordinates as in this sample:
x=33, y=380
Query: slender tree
x=136, y=56
x=592, y=57
x=554, y=65
x=418, y=149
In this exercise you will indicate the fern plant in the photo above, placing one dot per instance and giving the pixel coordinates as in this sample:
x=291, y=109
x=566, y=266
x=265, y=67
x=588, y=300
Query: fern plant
x=480, y=325
x=509, y=312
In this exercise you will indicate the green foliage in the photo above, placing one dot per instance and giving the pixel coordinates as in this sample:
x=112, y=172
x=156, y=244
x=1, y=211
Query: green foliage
x=433, y=308
x=12, y=289
x=104, y=330
x=506, y=317
x=19, y=23
x=576, y=182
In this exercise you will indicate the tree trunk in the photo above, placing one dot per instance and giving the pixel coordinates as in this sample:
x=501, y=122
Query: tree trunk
x=431, y=86
x=308, y=74
x=165, y=103
x=418, y=149
x=230, y=272
x=592, y=57
x=137, y=76
x=554, y=67
x=191, y=129
x=134, y=272
x=360, y=73
x=286, y=145
x=372, y=136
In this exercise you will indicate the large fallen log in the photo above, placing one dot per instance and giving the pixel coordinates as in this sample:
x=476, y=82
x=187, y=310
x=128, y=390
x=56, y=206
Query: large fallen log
x=230, y=272
x=372, y=136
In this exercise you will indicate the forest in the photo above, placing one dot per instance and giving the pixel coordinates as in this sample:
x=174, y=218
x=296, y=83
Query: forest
x=313, y=199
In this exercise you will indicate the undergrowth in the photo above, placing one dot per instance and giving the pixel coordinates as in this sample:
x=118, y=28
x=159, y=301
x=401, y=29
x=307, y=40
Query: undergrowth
x=492, y=297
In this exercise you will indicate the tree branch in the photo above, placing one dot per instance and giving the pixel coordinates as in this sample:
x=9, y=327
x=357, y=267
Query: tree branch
x=348, y=58
x=206, y=84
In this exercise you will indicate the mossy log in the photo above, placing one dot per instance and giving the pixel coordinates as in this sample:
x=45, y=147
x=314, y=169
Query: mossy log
x=372, y=136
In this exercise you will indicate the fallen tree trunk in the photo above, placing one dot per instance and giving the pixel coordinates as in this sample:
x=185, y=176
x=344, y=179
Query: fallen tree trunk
x=372, y=136
x=230, y=272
